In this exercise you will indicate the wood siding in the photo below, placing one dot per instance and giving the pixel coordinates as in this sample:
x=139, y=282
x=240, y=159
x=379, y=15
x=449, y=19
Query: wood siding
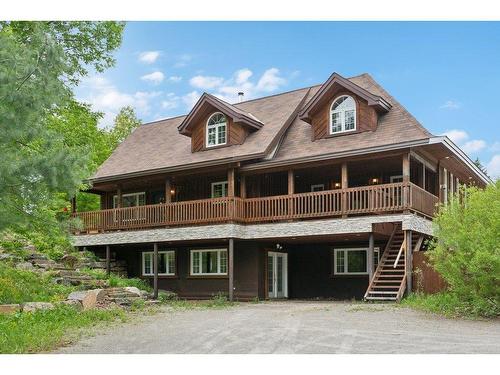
x=425, y=278
x=366, y=117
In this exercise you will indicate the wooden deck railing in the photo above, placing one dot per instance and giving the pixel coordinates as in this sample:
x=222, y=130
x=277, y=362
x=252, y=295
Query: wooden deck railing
x=395, y=197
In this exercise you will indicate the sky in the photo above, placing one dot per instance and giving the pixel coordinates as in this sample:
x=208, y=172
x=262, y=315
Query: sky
x=445, y=73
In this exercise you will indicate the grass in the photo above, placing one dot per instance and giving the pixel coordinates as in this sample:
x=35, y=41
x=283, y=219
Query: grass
x=46, y=330
x=117, y=281
x=18, y=286
x=452, y=306
x=218, y=301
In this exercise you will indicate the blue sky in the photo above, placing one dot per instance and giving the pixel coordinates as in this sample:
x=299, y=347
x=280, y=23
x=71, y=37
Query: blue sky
x=446, y=74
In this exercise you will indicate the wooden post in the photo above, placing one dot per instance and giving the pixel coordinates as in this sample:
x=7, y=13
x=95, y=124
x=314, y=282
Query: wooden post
x=73, y=204
x=291, y=182
x=345, y=185
x=406, y=180
x=408, y=261
x=230, y=182
x=108, y=260
x=119, y=197
x=230, y=268
x=168, y=188
x=155, y=271
x=423, y=176
x=371, y=249
x=243, y=187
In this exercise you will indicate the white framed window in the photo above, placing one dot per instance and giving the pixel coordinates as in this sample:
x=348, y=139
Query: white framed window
x=219, y=189
x=318, y=187
x=353, y=261
x=216, y=130
x=397, y=178
x=131, y=199
x=166, y=263
x=343, y=115
x=209, y=262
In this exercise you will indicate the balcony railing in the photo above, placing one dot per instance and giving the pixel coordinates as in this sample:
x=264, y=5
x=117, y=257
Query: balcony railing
x=397, y=197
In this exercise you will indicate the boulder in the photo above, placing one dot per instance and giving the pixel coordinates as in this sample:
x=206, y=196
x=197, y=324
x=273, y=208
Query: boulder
x=88, y=298
x=5, y=256
x=133, y=290
x=78, y=295
x=34, y=306
x=24, y=266
x=69, y=260
x=10, y=308
x=73, y=303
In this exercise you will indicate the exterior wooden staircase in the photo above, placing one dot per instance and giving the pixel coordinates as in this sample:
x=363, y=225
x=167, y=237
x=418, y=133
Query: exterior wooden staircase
x=389, y=280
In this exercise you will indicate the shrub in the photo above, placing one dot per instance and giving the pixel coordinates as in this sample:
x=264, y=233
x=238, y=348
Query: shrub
x=466, y=250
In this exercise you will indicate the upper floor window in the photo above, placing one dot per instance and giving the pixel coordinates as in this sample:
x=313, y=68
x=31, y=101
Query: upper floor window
x=343, y=115
x=216, y=130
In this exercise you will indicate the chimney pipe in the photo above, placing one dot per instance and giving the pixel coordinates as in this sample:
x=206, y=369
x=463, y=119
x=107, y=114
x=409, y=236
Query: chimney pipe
x=240, y=95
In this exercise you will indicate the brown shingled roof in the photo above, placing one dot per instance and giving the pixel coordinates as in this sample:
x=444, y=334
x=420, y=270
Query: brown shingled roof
x=159, y=147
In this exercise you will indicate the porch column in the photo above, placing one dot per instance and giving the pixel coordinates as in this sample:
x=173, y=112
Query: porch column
x=230, y=182
x=119, y=197
x=168, y=188
x=406, y=180
x=291, y=182
x=155, y=271
x=423, y=176
x=73, y=204
x=409, y=260
x=371, y=245
x=108, y=260
x=230, y=268
x=345, y=185
x=243, y=187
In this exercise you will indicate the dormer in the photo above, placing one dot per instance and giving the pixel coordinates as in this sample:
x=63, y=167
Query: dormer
x=341, y=107
x=213, y=123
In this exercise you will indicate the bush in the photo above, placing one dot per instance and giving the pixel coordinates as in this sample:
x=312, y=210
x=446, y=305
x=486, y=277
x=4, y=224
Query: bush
x=18, y=286
x=117, y=281
x=466, y=249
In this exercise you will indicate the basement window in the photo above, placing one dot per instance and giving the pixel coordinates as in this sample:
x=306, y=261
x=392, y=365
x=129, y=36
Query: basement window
x=216, y=130
x=166, y=263
x=353, y=261
x=209, y=262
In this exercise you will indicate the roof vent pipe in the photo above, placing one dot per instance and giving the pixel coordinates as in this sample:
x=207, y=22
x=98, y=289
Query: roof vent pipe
x=240, y=95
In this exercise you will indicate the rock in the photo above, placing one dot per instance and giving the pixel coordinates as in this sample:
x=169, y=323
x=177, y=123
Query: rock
x=24, y=266
x=73, y=303
x=152, y=302
x=30, y=248
x=133, y=290
x=10, y=308
x=5, y=256
x=88, y=298
x=69, y=260
x=34, y=306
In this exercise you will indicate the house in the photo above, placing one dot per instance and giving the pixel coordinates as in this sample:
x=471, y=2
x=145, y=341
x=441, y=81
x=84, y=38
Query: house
x=321, y=192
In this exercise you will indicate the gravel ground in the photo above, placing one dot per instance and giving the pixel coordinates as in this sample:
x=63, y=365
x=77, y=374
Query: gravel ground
x=296, y=327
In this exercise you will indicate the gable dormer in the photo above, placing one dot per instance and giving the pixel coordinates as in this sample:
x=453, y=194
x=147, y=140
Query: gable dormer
x=213, y=123
x=341, y=107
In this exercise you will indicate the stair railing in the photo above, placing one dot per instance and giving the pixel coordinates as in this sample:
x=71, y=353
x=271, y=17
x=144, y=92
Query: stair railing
x=403, y=245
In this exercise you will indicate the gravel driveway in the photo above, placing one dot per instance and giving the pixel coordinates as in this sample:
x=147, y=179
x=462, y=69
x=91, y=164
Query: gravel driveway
x=296, y=327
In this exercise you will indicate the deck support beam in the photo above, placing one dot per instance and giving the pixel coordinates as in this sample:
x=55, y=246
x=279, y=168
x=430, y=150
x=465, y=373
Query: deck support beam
x=168, y=189
x=344, y=185
x=371, y=249
x=243, y=187
x=155, y=270
x=230, y=182
x=230, y=264
x=291, y=182
x=108, y=260
x=408, y=260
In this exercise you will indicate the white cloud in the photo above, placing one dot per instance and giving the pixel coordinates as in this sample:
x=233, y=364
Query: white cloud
x=171, y=101
x=451, y=104
x=473, y=146
x=241, y=80
x=493, y=167
x=183, y=60
x=149, y=57
x=495, y=147
x=175, y=79
x=107, y=98
x=191, y=98
x=457, y=136
x=206, y=82
x=154, y=78
x=270, y=80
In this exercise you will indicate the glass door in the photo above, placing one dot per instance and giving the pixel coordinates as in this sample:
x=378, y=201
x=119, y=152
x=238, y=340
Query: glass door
x=277, y=275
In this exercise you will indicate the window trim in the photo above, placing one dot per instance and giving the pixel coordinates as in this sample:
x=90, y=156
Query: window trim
x=217, y=127
x=322, y=186
x=143, y=268
x=225, y=186
x=343, y=130
x=346, y=250
x=130, y=195
x=218, y=273
x=392, y=178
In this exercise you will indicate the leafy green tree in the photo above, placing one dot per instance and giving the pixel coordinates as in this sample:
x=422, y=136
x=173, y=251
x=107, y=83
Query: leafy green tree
x=125, y=123
x=40, y=62
x=466, y=251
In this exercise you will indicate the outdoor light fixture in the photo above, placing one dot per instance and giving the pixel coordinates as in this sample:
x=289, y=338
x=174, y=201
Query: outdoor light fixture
x=278, y=246
x=172, y=191
x=374, y=181
x=337, y=185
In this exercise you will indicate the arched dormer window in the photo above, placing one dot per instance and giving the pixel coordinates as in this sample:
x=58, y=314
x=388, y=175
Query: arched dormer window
x=216, y=130
x=343, y=115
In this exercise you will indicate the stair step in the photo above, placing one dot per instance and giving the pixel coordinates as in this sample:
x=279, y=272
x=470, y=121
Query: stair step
x=380, y=298
x=389, y=281
x=381, y=292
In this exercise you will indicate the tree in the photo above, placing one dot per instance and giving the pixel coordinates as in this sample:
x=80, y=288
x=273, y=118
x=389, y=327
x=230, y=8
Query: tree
x=40, y=62
x=466, y=251
x=478, y=164
x=125, y=123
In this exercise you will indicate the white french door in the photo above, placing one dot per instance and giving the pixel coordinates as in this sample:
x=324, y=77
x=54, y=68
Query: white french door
x=277, y=275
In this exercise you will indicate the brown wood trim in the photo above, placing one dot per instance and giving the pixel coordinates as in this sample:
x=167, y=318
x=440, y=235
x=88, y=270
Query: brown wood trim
x=207, y=277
